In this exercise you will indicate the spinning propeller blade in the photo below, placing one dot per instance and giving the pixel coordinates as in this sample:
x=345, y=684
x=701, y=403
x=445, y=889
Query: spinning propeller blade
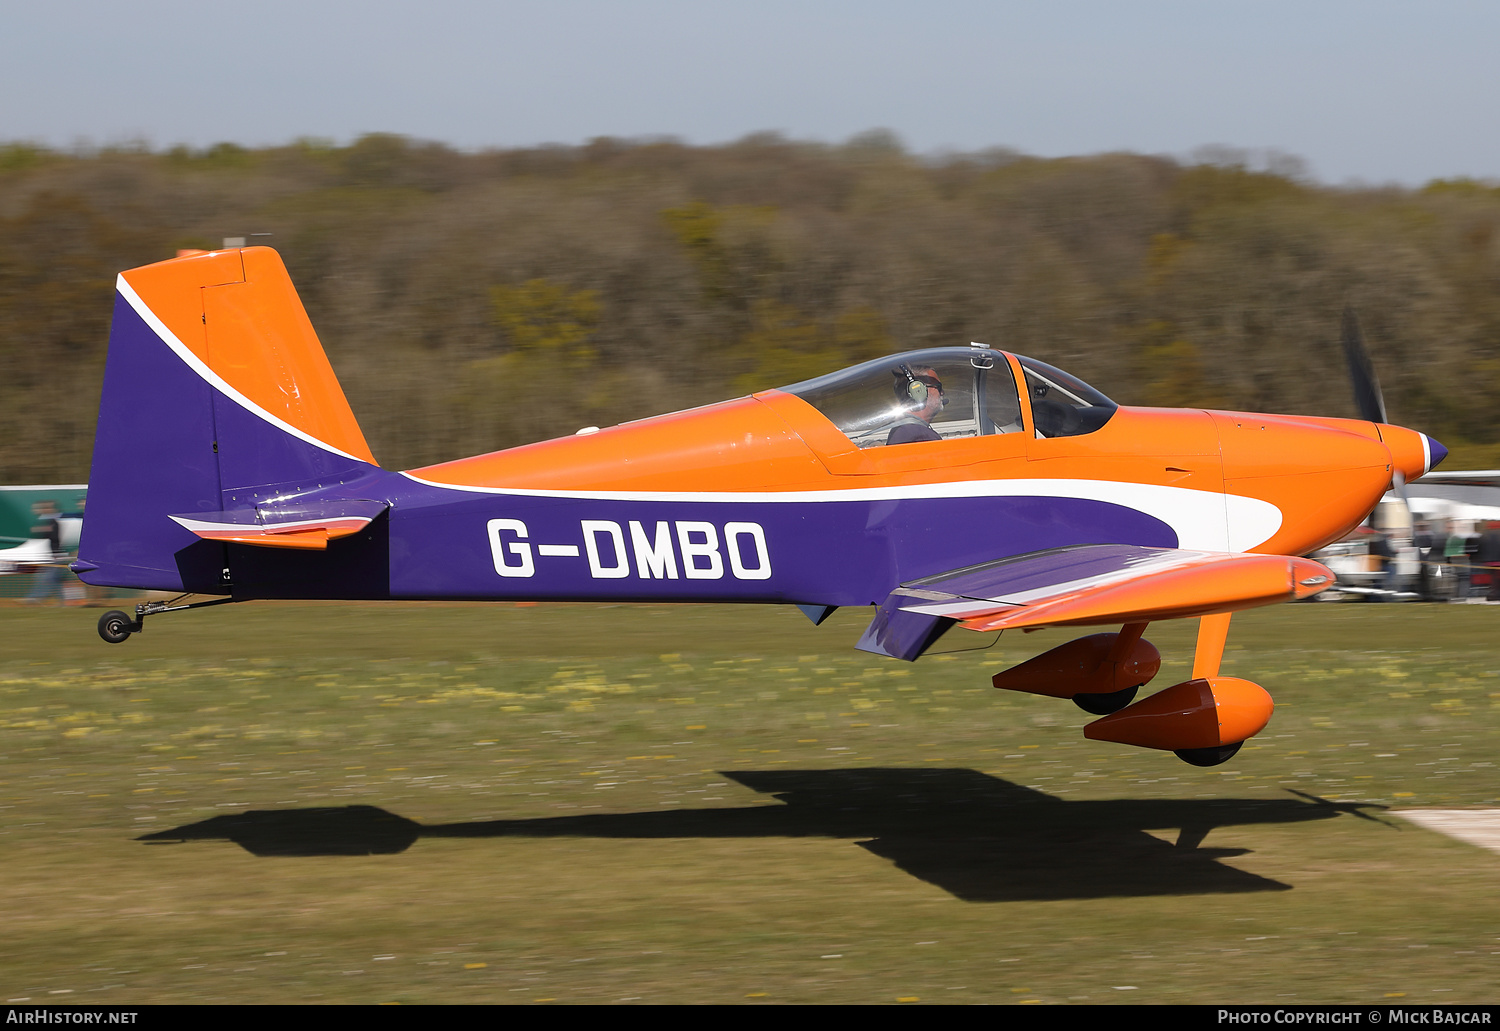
x=1367, y=395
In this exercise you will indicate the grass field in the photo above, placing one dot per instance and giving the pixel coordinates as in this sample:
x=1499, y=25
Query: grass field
x=430, y=804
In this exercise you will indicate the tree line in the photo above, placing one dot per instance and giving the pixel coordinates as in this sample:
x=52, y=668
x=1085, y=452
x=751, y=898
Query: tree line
x=474, y=301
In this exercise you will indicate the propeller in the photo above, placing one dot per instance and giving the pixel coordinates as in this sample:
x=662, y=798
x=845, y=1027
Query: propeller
x=1367, y=396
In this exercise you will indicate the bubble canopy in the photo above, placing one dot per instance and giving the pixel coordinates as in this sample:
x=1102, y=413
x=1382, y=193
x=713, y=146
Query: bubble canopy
x=945, y=392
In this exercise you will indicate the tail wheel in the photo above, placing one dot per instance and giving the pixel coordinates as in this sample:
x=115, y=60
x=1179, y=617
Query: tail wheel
x=1208, y=756
x=115, y=626
x=1104, y=704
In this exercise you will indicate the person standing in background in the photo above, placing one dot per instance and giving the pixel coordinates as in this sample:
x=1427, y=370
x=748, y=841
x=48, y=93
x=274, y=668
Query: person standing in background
x=1456, y=556
x=1381, y=548
x=48, y=585
x=1488, y=556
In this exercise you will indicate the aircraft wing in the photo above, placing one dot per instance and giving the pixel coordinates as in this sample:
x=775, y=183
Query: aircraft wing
x=1086, y=585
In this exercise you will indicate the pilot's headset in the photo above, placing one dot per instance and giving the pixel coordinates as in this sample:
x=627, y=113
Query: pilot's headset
x=913, y=391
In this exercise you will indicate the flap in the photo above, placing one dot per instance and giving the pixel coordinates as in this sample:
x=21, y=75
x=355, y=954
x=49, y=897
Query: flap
x=1088, y=585
x=1099, y=584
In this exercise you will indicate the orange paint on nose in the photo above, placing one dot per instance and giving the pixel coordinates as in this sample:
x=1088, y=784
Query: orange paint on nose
x=1409, y=452
x=1325, y=475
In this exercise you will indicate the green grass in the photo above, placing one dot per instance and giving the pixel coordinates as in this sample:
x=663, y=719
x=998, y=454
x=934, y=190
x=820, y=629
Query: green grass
x=593, y=804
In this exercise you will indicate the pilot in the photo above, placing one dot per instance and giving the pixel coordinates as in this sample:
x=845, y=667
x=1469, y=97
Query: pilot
x=921, y=392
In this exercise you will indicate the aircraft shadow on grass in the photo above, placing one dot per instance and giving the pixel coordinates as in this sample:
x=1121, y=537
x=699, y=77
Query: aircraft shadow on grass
x=978, y=837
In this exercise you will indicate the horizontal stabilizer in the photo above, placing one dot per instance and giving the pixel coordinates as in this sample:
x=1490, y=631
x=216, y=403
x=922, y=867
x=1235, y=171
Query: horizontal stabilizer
x=1100, y=584
x=293, y=525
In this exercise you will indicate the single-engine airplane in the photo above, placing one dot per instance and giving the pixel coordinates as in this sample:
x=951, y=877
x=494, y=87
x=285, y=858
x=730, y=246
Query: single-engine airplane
x=950, y=486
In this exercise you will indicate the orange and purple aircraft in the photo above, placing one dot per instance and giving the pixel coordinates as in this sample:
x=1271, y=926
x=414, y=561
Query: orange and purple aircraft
x=953, y=486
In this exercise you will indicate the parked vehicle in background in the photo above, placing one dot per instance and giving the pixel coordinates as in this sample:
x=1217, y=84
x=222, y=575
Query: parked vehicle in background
x=1362, y=575
x=1434, y=546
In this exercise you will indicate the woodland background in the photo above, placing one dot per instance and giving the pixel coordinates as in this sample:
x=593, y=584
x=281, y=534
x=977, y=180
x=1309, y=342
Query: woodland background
x=473, y=301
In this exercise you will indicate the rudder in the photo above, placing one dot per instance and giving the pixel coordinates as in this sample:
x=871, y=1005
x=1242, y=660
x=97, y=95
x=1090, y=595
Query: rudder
x=217, y=394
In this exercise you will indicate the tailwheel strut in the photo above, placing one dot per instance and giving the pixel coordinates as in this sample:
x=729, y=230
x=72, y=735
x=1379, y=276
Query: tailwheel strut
x=116, y=627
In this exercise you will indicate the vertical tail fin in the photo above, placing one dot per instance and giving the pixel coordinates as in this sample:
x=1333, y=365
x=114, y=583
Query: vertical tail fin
x=217, y=394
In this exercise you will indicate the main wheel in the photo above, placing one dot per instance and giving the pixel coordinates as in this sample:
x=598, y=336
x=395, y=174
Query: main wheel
x=115, y=627
x=1208, y=756
x=1104, y=704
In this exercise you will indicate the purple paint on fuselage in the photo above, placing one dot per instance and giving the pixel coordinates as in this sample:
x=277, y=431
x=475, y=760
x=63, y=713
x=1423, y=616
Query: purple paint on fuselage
x=822, y=552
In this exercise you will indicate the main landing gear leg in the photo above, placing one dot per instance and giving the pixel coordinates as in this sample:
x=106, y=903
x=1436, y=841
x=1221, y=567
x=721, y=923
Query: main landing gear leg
x=1203, y=720
x=1114, y=701
x=116, y=627
x=1213, y=631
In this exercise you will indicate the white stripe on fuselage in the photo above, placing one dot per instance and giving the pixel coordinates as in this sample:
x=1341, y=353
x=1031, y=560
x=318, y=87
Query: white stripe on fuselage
x=1203, y=520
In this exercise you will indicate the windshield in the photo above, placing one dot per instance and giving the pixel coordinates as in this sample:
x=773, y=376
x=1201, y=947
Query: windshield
x=936, y=394
x=1062, y=405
